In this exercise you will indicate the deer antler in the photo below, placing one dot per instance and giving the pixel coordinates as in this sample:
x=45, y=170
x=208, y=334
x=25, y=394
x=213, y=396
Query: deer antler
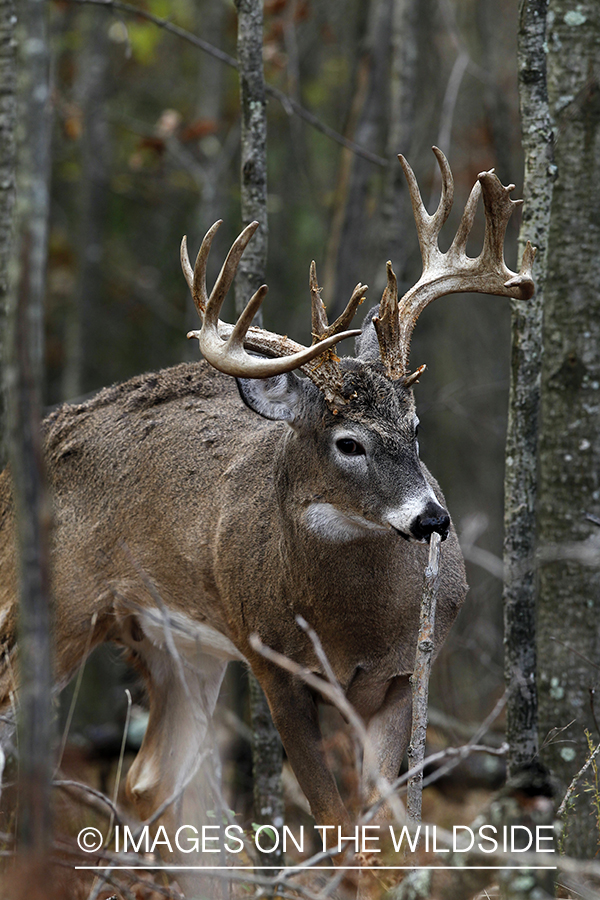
x=453, y=271
x=224, y=346
x=325, y=372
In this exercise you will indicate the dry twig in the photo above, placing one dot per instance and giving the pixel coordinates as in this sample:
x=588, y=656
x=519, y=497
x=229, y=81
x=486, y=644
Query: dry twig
x=561, y=809
x=420, y=679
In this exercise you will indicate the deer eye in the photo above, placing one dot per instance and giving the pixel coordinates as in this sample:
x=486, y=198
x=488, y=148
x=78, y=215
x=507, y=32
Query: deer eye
x=350, y=447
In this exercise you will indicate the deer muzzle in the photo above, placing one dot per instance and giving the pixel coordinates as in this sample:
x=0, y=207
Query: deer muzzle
x=433, y=518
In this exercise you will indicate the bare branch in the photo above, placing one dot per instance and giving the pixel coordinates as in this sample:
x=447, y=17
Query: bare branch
x=289, y=104
x=67, y=783
x=454, y=755
x=120, y=763
x=420, y=678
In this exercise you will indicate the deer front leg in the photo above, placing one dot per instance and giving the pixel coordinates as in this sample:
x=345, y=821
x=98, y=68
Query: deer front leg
x=294, y=713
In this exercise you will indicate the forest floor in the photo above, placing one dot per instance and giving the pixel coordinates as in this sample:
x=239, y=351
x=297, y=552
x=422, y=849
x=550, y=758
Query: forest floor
x=76, y=810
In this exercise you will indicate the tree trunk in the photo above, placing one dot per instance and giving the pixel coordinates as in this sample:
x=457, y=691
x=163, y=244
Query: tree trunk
x=267, y=752
x=420, y=682
x=520, y=484
x=23, y=383
x=266, y=768
x=520, y=480
x=569, y=604
x=8, y=114
x=252, y=268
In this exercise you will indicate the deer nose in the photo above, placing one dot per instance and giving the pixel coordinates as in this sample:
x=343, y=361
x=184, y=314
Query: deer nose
x=433, y=518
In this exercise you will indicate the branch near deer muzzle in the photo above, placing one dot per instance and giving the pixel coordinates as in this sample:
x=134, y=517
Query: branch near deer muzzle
x=225, y=346
x=453, y=271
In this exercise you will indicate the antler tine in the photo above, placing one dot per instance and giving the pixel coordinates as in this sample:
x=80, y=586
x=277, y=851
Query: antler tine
x=387, y=327
x=318, y=314
x=356, y=298
x=447, y=195
x=523, y=279
x=224, y=345
x=196, y=277
x=186, y=265
x=409, y=380
x=459, y=244
x=320, y=325
x=326, y=373
x=498, y=210
x=429, y=226
x=227, y=273
x=244, y=322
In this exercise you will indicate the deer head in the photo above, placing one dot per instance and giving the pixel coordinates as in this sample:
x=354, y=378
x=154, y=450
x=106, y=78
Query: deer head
x=340, y=392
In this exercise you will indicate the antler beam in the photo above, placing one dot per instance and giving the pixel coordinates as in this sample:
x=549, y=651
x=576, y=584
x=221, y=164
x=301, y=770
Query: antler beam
x=452, y=271
x=223, y=345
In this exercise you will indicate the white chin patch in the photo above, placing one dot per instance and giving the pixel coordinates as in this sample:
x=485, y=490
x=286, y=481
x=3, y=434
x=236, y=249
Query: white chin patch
x=333, y=525
x=402, y=518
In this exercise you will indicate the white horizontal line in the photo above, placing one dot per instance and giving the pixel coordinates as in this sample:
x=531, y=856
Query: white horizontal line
x=300, y=868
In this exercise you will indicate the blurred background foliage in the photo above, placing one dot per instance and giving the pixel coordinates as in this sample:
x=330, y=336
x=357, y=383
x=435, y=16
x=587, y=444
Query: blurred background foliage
x=146, y=148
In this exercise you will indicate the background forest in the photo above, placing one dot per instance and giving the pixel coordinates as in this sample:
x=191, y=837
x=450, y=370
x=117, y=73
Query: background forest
x=146, y=147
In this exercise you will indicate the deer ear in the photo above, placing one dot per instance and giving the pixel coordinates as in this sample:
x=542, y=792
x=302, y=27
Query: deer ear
x=279, y=397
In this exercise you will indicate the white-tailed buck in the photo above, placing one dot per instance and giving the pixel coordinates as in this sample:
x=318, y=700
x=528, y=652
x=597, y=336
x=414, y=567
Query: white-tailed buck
x=193, y=513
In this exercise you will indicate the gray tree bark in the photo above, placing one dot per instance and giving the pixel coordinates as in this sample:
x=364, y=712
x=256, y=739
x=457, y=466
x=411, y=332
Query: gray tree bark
x=252, y=268
x=520, y=482
x=520, y=479
x=267, y=757
x=8, y=114
x=267, y=752
x=211, y=21
x=569, y=603
x=23, y=378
